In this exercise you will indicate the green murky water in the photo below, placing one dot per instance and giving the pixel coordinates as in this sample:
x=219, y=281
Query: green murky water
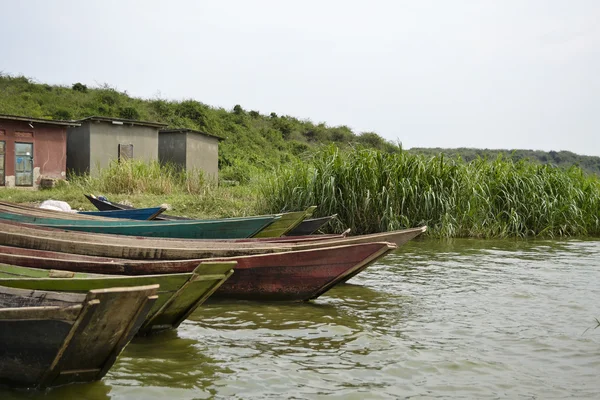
x=465, y=319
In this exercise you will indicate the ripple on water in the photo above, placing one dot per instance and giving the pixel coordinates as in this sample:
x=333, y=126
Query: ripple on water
x=458, y=319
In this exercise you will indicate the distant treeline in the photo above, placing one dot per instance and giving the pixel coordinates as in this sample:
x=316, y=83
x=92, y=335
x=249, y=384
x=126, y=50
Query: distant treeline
x=565, y=159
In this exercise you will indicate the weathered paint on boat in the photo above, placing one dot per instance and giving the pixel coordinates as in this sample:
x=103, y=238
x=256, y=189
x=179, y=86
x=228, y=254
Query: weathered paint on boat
x=180, y=294
x=138, y=214
x=49, y=339
x=293, y=275
x=286, y=223
x=310, y=226
x=22, y=235
x=105, y=205
x=193, y=229
x=301, y=275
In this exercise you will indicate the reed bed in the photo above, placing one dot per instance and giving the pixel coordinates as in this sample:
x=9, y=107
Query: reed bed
x=373, y=191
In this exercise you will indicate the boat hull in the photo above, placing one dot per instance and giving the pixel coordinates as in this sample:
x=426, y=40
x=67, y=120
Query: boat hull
x=286, y=223
x=193, y=229
x=138, y=214
x=22, y=235
x=179, y=295
x=102, y=205
x=50, y=339
x=310, y=226
x=292, y=276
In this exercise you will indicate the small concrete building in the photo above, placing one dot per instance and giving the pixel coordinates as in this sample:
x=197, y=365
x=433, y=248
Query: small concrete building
x=190, y=149
x=99, y=140
x=32, y=150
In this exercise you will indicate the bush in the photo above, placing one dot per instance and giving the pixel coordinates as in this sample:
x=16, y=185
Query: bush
x=79, y=87
x=61, y=114
x=129, y=113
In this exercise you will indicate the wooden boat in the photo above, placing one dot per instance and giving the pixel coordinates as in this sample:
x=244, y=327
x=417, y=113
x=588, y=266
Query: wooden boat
x=286, y=223
x=139, y=214
x=199, y=229
x=293, y=275
x=180, y=294
x=34, y=237
x=106, y=205
x=310, y=226
x=49, y=339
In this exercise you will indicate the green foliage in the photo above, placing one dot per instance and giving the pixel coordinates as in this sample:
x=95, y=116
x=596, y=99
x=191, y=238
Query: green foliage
x=79, y=87
x=61, y=114
x=129, y=113
x=374, y=191
x=254, y=143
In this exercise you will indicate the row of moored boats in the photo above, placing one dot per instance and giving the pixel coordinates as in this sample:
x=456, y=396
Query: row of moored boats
x=75, y=288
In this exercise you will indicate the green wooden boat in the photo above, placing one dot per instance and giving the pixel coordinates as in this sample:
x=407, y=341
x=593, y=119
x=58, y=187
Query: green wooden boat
x=179, y=294
x=286, y=223
x=226, y=228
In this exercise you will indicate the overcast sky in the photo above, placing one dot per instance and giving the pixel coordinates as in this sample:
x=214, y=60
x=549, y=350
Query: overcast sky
x=488, y=74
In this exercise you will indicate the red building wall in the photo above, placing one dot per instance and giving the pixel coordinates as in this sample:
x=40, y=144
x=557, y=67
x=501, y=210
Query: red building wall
x=49, y=148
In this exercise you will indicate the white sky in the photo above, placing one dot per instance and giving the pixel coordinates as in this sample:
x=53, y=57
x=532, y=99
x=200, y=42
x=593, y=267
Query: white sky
x=472, y=73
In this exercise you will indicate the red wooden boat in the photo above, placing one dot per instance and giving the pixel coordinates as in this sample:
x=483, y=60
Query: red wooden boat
x=292, y=275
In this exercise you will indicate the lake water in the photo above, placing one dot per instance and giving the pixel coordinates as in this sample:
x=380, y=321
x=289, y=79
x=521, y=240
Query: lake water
x=452, y=320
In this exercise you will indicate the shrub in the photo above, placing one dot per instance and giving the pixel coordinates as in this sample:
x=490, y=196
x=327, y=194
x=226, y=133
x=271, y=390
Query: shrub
x=62, y=114
x=79, y=87
x=129, y=113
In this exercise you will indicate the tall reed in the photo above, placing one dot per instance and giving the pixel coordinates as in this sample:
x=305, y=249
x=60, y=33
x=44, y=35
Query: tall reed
x=373, y=191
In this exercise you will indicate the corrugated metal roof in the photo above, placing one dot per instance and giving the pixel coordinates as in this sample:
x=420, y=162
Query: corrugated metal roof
x=39, y=120
x=185, y=130
x=124, y=121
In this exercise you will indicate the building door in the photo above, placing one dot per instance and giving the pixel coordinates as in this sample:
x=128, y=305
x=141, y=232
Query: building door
x=23, y=164
x=2, y=163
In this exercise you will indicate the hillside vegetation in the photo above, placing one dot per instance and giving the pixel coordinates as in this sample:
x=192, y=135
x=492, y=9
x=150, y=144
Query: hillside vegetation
x=254, y=142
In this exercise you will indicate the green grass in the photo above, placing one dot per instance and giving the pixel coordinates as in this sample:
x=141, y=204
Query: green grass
x=373, y=191
x=149, y=185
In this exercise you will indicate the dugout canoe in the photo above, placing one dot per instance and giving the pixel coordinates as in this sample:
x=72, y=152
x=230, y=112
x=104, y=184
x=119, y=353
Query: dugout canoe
x=310, y=226
x=34, y=237
x=286, y=223
x=106, y=205
x=49, y=339
x=291, y=276
x=179, y=295
x=194, y=229
x=138, y=214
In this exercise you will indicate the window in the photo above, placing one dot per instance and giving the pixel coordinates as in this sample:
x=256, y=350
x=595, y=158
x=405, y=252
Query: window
x=125, y=152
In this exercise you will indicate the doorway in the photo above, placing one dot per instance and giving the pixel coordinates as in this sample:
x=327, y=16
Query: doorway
x=23, y=164
x=2, y=164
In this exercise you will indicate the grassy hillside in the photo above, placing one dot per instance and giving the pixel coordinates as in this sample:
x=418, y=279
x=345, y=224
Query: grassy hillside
x=255, y=142
x=564, y=159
